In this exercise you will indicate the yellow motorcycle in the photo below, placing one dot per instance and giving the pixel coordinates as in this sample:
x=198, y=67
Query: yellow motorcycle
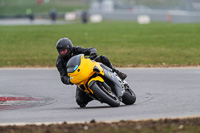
x=99, y=81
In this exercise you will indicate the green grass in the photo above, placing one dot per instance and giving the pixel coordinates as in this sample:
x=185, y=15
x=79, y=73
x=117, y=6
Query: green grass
x=18, y=7
x=125, y=43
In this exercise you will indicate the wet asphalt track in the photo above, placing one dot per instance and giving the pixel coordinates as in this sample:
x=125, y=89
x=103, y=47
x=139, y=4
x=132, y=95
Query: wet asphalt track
x=161, y=93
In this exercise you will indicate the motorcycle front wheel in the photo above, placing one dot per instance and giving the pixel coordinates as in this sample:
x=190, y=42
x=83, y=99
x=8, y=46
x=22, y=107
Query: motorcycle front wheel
x=104, y=95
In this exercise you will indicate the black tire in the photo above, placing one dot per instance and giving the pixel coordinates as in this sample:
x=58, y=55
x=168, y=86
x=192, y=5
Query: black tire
x=104, y=97
x=129, y=97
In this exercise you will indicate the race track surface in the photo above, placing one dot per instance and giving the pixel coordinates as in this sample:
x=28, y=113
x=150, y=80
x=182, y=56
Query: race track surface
x=26, y=21
x=161, y=93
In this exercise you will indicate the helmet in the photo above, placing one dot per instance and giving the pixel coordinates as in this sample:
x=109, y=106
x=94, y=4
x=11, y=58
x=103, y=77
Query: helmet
x=64, y=47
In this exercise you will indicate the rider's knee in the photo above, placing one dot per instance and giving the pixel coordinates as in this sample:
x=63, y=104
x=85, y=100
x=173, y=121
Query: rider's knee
x=104, y=58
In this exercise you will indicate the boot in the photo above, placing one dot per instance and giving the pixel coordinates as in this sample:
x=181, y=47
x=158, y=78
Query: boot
x=106, y=62
x=120, y=74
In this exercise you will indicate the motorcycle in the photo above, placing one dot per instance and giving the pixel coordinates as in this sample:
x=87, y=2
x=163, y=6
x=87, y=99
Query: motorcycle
x=99, y=81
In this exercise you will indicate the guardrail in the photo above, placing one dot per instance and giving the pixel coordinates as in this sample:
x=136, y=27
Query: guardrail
x=174, y=16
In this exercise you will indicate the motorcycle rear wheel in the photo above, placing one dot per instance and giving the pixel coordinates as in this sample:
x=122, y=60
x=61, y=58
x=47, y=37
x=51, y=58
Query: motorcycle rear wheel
x=129, y=97
x=104, y=96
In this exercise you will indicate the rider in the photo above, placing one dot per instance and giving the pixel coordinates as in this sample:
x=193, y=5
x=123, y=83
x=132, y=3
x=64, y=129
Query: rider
x=66, y=51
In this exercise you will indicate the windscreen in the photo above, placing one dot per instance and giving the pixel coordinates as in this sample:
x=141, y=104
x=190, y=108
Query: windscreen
x=74, y=63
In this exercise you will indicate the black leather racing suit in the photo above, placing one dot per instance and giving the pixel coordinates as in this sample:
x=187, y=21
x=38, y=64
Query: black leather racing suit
x=81, y=97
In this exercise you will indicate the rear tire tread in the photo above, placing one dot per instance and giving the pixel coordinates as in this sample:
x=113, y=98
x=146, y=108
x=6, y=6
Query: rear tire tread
x=129, y=97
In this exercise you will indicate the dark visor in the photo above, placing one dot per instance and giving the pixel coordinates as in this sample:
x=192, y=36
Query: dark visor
x=63, y=51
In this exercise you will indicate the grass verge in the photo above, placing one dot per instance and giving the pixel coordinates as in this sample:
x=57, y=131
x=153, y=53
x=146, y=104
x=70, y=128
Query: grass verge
x=18, y=7
x=186, y=125
x=125, y=43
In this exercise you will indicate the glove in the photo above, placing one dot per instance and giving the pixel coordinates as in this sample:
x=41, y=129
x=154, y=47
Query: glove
x=66, y=80
x=93, y=55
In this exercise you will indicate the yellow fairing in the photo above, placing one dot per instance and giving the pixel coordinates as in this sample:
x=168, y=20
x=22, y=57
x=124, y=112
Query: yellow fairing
x=84, y=71
x=98, y=78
